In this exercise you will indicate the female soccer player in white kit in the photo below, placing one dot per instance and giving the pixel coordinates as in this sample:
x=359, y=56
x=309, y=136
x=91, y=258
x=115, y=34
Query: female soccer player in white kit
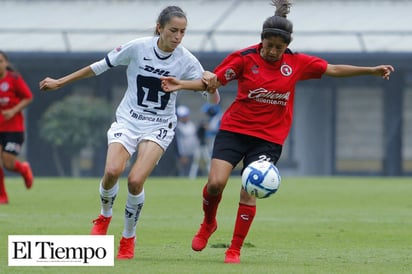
x=145, y=119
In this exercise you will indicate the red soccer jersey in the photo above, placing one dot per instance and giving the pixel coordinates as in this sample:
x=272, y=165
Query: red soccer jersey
x=263, y=106
x=12, y=90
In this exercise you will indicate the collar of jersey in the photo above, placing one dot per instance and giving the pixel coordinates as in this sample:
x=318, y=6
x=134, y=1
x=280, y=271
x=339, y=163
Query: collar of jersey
x=159, y=56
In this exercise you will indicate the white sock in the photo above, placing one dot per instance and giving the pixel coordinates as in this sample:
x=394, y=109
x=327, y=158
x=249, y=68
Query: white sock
x=132, y=211
x=107, y=198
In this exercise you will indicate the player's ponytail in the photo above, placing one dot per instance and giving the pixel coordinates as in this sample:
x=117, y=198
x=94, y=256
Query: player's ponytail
x=278, y=25
x=282, y=7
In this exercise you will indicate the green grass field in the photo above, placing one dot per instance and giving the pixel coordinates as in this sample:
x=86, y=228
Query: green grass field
x=312, y=225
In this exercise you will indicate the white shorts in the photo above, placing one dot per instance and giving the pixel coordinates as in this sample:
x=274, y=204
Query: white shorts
x=130, y=139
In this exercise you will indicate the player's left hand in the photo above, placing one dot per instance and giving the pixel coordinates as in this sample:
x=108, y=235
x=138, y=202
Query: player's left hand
x=170, y=84
x=48, y=84
x=7, y=114
x=210, y=80
x=384, y=71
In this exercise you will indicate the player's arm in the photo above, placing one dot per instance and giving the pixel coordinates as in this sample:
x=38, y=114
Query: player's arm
x=208, y=82
x=49, y=84
x=348, y=70
x=9, y=113
x=170, y=84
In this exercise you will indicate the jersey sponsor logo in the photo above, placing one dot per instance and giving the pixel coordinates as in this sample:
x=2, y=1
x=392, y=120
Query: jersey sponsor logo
x=157, y=71
x=230, y=74
x=286, y=70
x=4, y=101
x=269, y=97
x=142, y=117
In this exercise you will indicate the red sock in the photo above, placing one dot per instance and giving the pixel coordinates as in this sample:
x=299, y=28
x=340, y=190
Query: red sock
x=2, y=186
x=244, y=219
x=210, y=204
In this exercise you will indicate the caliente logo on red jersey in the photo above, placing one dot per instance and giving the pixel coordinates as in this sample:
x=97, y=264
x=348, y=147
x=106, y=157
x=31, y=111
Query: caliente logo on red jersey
x=269, y=97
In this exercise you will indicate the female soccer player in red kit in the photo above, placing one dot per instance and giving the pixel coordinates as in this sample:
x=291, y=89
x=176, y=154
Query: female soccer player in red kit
x=15, y=95
x=257, y=123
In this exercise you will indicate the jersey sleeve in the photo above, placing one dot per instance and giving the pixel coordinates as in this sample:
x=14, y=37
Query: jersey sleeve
x=23, y=89
x=314, y=67
x=118, y=56
x=194, y=70
x=230, y=68
x=100, y=66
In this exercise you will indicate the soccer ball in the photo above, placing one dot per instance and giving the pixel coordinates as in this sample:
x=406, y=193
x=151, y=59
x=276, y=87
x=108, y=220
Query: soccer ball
x=261, y=179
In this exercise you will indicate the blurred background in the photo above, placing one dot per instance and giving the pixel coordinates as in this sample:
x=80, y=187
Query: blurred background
x=356, y=126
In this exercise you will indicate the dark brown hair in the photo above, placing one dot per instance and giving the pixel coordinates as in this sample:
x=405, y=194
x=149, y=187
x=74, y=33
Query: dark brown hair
x=9, y=66
x=167, y=14
x=279, y=25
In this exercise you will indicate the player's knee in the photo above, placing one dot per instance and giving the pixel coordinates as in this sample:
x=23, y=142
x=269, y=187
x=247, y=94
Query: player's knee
x=135, y=185
x=215, y=187
x=112, y=171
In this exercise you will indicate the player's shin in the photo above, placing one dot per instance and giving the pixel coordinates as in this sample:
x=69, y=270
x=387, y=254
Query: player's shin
x=210, y=205
x=107, y=198
x=244, y=219
x=133, y=209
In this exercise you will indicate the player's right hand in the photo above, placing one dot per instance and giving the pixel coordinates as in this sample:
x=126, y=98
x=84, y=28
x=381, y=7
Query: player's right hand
x=48, y=84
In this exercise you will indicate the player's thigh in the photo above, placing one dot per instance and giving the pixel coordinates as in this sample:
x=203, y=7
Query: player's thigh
x=149, y=154
x=8, y=160
x=116, y=159
x=219, y=174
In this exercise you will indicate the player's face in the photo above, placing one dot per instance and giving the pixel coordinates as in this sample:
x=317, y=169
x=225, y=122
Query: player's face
x=273, y=48
x=172, y=33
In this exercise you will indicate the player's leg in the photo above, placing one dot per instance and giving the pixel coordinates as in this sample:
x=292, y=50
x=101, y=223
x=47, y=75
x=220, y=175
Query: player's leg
x=244, y=219
x=228, y=150
x=220, y=171
x=116, y=159
x=149, y=154
x=3, y=193
x=12, y=143
x=247, y=204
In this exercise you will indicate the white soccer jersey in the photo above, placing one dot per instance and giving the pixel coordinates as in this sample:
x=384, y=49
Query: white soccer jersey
x=145, y=104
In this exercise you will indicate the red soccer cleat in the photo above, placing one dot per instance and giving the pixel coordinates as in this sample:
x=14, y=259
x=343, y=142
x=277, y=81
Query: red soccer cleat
x=4, y=200
x=27, y=175
x=100, y=225
x=232, y=256
x=126, y=248
x=199, y=241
